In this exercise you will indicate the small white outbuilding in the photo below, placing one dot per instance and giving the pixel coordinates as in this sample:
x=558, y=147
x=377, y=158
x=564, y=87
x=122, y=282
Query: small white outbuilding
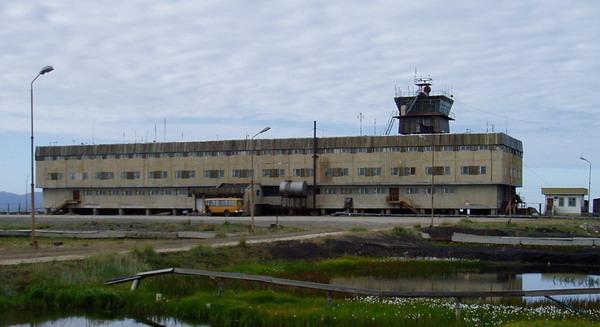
x=564, y=200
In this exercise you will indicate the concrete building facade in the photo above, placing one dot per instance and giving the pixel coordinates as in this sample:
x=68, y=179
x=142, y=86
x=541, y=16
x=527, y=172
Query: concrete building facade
x=389, y=174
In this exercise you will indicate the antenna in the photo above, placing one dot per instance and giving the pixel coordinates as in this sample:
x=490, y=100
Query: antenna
x=164, y=129
x=375, y=126
x=154, y=132
x=360, y=118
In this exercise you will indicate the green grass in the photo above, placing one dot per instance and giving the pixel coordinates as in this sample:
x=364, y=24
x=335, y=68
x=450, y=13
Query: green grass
x=74, y=286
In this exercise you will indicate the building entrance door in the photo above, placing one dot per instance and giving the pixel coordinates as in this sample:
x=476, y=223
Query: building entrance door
x=549, y=205
x=76, y=195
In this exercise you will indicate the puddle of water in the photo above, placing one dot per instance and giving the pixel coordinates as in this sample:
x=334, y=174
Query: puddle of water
x=92, y=322
x=481, y=282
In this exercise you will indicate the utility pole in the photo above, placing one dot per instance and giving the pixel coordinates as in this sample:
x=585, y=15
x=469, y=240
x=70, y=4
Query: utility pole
x=315, y=156
x=432, y=177
x=589, y=183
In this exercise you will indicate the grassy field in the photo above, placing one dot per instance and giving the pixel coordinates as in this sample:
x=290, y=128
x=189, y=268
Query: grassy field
x=575, y=227
x=221, y=230
x=76, y=286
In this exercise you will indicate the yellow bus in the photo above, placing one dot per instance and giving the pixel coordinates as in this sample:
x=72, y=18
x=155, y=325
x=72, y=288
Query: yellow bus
x=224, y=206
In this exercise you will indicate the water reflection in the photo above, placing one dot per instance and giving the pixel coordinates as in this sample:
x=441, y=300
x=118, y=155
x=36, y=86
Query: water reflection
x=480, y=282
x=90, y=322
x=557, y=281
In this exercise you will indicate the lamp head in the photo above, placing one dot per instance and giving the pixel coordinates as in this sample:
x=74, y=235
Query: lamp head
x=46, y=69
x=264, y=130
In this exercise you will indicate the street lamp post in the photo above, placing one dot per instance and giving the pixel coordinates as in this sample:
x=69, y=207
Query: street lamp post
x=43, y=71
x=589, y=183
x=252, y=196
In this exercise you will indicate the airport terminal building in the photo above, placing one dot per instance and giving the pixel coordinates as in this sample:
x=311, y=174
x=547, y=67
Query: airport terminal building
x=423, y=167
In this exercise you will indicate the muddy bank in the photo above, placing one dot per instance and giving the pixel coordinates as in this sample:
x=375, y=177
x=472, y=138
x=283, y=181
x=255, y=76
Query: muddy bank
x=385, y=245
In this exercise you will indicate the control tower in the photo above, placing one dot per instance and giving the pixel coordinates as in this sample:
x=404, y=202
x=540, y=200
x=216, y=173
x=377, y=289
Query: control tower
x=424, y=112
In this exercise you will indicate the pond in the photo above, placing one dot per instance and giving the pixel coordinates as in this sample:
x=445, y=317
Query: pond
x=470, y=281
x=78, y=321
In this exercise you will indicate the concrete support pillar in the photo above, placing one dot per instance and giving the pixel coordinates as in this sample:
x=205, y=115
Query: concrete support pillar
x=493, y=212
x=174, y=212
x=147, y=212
x=95, y=211
x=323, y=213
x=388, y=211
x=70, y=210
x=121, y=211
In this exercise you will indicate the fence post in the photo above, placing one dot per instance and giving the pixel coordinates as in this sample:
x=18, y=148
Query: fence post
x=329, y=299
x=135, y=284
x=220, y=286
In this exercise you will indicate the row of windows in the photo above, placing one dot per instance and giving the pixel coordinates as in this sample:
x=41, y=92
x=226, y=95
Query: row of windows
x=297, y=172
x=572, y=201
x=136, y=192
x=384, y=190
x=325, y=190
x=288, y=152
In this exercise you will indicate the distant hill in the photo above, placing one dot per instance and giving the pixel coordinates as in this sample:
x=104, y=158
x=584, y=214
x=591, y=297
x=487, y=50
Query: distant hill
x=13, y=200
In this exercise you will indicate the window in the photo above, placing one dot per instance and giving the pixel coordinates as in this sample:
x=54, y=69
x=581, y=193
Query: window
x=370, y=171
x=157, y=174
x=273, y=172
x=428, y=190
x=473, y=170
x=336, y=172
x=379, y=190
x=572, y=201
x=403, y=171
x=185, y=174
x=105, y=175
x=130, y=175
x=330, y=190
x=214, y=173
x=561, y=202
x=437, y=170
x=72, y=176
x=303, y=172
x=55, y=176
x=347, y=190
x=364, y=190
x=412, y=190
x=242, y=173
x=446, y=190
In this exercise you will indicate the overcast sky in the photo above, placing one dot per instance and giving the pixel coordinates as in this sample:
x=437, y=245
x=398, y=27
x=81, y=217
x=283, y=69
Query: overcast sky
x=220, y=69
